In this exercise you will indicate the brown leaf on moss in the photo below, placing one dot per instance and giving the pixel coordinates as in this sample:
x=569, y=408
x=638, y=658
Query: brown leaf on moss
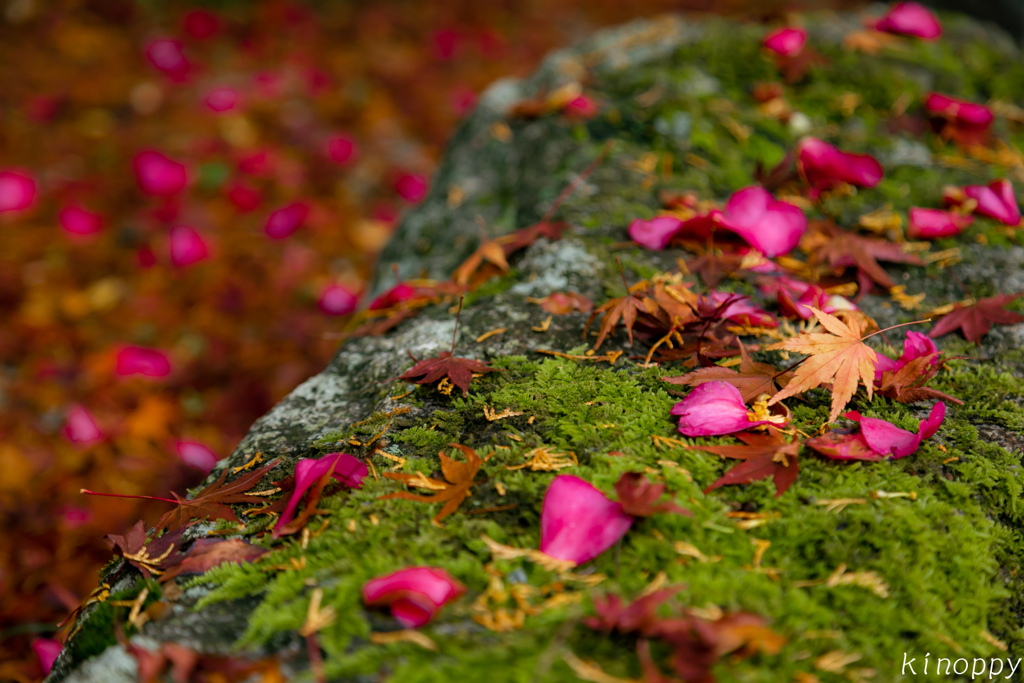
x=751, y=378
x=459, y=476
x=623, y=308
x=151, y=558
x=765, y=455
x=639, y=497
x=906, y=384
x=842, y=249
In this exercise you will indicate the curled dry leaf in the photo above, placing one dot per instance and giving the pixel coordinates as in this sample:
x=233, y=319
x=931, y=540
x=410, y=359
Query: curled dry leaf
x=460, y=479
x=764, y=455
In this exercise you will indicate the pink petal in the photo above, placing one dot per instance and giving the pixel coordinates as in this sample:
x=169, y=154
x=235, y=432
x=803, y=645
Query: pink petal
x=342, y=149
x=77, y=221
x=158, y=175
x=741, y=311
x=996, y=200
x=286, y=220
x=826, y=166
x=581, y=107
x=886, y=438
x=81, y=429
x=201, y=24
x=347, y=469
x=930, y=224
x=578, y=522
x=245, y=197
x=187, y=246
x=17, y=191
x=221, y=99
x=772, y=227
x=46, y=650
x=257, y=163
x=74, y=517
x=656, y=233
x=885, y=364
x=394, y=296
x=965, y=115
x=338, y=300
x=916, y=345
x=786, y=41
x=411, y=187
x=931, y=424
x=843, y=444
x=462, y=100
x=136, y=360
x=196, y=454
x=446, y=42
x=415, y=594
x=912, y=19
x=167, y=56
x=713, y=409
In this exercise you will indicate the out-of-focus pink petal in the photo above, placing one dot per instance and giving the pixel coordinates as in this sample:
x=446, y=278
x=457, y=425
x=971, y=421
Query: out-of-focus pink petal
x=196, y=454
x=338, y=300
x=968, y=116
x=578, y=522
x=462, y=100
x=286, y=220
x=713, y=409
x=187, y=246
x=81, y=429
x=414, y=594
x=256, y=163
x=996, y=200
x=741, y=311
x=17, y=191
x=772, y=227
x=74, y=517
x=825, y=165
x=394, y=296
x=787, y=42
x=581, y=107
x=159, y=175
x=911, y=19
x=244, y=196
x=201, y=24
x=342, y=149
x=136, y=360
x=46, y=650
x=168, y=56
x=411, y=187
x=347, y=469
x=656, y=233
x=79, y=222
x=446, y=42
x=931, y=424
x=930, y=224
x=221, y=99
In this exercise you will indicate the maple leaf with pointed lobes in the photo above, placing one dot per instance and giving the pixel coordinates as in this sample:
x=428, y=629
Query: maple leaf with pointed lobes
x=639, y=497
x=752, y=379
x=976, y=320
x=212, y=502
x=843, y=249
x=714, y=267
x=764, y=456
x=459, y=476
x=905, y=384
x=839, y=356
x=151, y=558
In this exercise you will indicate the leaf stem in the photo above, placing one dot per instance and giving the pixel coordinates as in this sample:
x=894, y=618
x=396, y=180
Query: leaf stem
x=123, y=495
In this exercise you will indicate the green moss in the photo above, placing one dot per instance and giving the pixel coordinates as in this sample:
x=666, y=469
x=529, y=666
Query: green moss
x=99, y=626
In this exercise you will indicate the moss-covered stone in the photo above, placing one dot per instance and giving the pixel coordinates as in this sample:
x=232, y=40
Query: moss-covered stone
x=950, y=558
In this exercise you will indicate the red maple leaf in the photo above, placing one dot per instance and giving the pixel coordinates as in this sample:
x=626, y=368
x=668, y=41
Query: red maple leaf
x=150, y=558
x=764, y=455
x=639, y=497
x=843, y=249
x=977, y=319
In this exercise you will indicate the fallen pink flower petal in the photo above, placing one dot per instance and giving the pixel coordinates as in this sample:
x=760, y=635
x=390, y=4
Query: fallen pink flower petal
x=74, y=517
x=159, y=175
x=342, y=149
x=256, y=163
x=843, y=444
x=196, y=454
x=770, y=226
x=915, y=346
x=17, y=191
x=394, y=296
x=187, y=246
x=415, y=595
x=136, y=360
x=79, y=222
x=787, y=42
x=888, y=440
x=221, y=99
x=931, y=224
x=825, y=166
x=338, y=300
x=578, y=522
x=201, y=24
x=656, y=233
x=168, y=56
x=961, y=114
x=995, y=200
x=411, y=187
x=244, y=196
x=347, y=469
x=81, y=429
x=910, y=19
x=714, y=409
x=581, y=107
x=46, y=650
x=740, y=311
x=286, y=220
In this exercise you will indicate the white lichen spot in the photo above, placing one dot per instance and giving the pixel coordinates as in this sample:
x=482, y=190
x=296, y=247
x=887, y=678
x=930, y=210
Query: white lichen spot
x=552, y=264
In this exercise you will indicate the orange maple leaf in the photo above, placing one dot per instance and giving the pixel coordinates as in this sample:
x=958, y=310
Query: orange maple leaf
x=459, y=476
x=840, y=358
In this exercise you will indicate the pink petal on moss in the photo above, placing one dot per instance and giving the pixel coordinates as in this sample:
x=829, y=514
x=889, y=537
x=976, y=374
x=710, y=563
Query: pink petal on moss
x=885, y=438
x=187, y=246
x=136, y=360
x=46, y=650
x=414, y=594
x=77, y=221
x=713, y=409
x=931, y=424
x=337, y=300
x=286, y=220
x=962, y=113
x=911, y=19
x=826, y=166
x=347, y=469
x=930, y=224
x=772, y=227
x=159, y=175
x=787, y=42
x=996, y=200
x=843, y=444
x=17, y=191
x=656, y=233
x=578, y=522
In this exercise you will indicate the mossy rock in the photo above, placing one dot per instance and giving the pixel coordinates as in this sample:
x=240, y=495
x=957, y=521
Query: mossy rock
x=950, y=557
